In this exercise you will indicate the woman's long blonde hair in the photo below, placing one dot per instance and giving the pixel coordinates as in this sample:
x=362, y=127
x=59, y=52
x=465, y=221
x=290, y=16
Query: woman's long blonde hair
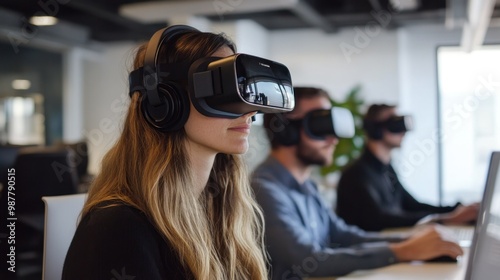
x=216, y=235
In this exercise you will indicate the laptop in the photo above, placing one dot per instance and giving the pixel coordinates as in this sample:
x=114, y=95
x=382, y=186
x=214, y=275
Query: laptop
x=484, y=255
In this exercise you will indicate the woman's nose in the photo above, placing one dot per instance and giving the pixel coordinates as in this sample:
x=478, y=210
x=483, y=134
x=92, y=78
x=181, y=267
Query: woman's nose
x=250, y=117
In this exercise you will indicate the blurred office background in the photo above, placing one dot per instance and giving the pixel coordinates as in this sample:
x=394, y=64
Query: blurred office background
x=63, y=84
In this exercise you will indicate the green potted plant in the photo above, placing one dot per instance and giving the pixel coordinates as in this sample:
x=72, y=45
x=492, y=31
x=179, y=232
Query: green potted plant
x=348, y=149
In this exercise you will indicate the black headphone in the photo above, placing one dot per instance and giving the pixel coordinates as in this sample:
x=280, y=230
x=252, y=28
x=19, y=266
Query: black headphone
x=286, y=131
x=290, y=134
x=165, y=104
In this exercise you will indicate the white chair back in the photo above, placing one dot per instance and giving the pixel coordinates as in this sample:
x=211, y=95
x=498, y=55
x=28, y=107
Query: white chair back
x=61, y=219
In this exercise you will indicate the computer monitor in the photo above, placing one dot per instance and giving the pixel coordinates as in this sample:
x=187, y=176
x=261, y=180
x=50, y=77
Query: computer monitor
x=484, y=256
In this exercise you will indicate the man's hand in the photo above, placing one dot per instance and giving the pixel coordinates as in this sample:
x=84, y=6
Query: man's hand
x=428, y=243
x=461, y=215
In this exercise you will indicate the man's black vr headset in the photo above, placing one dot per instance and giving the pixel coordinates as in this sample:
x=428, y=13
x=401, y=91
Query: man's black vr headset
x=395, y=124
x=336, y=121
x=398, y=124
x=317, y=124
x=227, y=87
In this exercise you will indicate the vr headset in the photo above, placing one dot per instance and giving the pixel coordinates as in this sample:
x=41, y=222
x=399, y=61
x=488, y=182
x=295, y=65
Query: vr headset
x=337, y=122
x=317, y=124
x=395, y=124
x=398, y=124
x=238, y=84
x=228, y=87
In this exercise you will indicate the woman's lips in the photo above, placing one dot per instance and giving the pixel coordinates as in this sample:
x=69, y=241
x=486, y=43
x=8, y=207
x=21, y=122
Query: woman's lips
x=244, y=128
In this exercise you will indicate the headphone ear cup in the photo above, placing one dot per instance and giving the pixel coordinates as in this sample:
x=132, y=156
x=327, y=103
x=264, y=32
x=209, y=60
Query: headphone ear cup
x=289, y=135
x=172, y=114
x=373, y=131
x=377, y=133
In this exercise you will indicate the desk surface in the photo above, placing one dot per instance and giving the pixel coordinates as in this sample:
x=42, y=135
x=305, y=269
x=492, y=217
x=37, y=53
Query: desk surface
x=413, y=271
x=410, y=271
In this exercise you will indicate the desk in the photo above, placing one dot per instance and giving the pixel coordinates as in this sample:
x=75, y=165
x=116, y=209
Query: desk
x=413, y=271
x=409, y=271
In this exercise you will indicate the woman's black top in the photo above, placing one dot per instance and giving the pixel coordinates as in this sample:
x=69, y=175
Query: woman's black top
x=119, y=242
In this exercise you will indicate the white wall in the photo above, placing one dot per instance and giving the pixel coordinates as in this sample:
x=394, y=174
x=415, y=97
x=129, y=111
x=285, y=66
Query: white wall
x=418, y=160
x=105, y=98
x=249, y=37
x=73, y=95
x=317, y=59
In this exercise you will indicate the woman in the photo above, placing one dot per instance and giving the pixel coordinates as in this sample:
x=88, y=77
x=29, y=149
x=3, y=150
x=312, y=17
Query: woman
x=172, y=205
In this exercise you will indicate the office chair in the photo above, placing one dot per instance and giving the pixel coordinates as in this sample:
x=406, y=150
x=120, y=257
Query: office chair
x=81, y=151
x=61, y=219
x=82, y=155
x=43, y=171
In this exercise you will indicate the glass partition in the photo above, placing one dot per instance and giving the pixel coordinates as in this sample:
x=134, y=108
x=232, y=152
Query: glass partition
x=22, y=120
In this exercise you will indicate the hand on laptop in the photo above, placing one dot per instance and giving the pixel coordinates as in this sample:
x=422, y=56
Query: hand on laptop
x=462, y=214
x=426, y=244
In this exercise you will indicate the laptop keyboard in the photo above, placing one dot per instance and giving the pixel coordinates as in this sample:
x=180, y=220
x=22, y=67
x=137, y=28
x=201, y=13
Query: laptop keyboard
x=462, y=234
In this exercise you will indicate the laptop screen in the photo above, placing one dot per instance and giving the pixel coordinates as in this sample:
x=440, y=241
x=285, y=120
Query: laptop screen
x=484, y=256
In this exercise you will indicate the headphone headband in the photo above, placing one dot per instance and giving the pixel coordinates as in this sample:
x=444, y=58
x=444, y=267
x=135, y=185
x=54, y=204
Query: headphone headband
x=151, y=65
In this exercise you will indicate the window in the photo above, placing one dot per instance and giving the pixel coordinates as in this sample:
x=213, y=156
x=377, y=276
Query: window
x=22, y=120
x=30, y=95
x=469, y=104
